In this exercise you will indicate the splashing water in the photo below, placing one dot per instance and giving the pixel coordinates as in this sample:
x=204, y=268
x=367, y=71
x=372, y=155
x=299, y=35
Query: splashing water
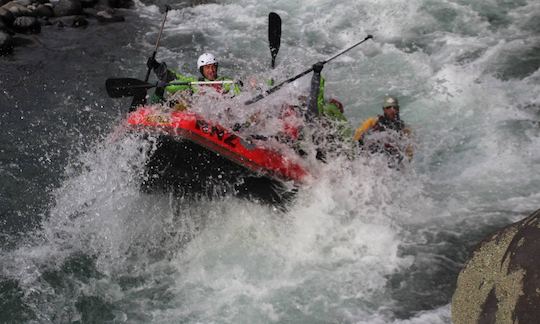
x=361, y=243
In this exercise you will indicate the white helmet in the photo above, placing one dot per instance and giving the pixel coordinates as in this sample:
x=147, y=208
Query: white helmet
x=206, y=59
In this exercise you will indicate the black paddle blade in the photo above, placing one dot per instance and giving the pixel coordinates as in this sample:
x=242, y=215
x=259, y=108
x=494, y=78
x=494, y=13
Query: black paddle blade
x=126, y=87
x=274, y=35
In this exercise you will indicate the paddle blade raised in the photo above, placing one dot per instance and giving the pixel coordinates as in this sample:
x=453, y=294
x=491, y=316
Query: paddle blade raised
x=274, y=35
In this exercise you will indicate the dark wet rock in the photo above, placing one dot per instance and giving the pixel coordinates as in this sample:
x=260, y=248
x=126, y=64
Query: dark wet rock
x=107, y=17
x=28, y=25
x=44, y=11
x=67, y=8
x=5, y=26
x=6, y=16
x=70, y=21
x=23, y=2
x=90, y=12
x=79, y=21
x=26, y=40
x=17, y=10
x=500, y=283
x=120, y=3
x=44, y=21
x=88, y=3
x=6, y=43
x=20, y=17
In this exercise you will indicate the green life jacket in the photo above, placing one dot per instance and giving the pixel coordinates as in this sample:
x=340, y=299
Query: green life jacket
x=157, y=98
x=182, y=78
x=328, y=109
x=332, y=112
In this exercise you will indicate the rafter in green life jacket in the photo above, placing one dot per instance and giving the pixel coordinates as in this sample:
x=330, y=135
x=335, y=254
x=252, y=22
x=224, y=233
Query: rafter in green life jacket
x=205, y=60
x=319, y=107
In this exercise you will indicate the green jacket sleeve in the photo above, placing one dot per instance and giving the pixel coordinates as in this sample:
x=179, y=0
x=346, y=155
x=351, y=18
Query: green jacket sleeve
x=180, y=78
x=332, y=112
x=327, y=109
x=228, y=87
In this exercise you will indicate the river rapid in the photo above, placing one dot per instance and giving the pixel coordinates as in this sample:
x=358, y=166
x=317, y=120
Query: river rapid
x=361, y=243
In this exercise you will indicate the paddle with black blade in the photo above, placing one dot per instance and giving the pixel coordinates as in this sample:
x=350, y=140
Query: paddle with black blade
x=294, y=78
x=274, y=35
x=124, y=87
x=127, y=87
x=167, y=8
x=140, y=96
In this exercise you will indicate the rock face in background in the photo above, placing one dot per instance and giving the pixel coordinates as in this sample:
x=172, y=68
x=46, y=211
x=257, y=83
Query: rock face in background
x=19, y=17
x=500, y=283
x=67, y=8
x=6, y=16
x=26, y=24
x=6, y=43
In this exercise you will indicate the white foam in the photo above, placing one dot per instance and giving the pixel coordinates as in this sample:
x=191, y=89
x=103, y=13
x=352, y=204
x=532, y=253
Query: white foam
x=356, y=225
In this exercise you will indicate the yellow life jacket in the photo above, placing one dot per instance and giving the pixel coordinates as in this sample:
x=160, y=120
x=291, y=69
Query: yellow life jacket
x=364, y=127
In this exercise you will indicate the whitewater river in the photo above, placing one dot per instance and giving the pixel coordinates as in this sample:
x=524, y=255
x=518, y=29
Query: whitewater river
x=361, y=243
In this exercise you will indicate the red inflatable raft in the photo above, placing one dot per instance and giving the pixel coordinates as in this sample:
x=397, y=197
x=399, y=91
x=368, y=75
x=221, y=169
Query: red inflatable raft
x=195, y=155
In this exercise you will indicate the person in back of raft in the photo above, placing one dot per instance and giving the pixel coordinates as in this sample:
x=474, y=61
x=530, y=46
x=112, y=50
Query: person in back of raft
x=386, y=133
x=207, y=65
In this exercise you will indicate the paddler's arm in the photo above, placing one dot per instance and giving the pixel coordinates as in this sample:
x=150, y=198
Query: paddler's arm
x=315, y=98
x=161, y=70
x=364, y=127
x=181, y=87
x=163, y=74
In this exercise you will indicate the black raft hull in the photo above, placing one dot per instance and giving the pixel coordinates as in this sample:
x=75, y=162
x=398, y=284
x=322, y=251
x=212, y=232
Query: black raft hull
x=185, y=168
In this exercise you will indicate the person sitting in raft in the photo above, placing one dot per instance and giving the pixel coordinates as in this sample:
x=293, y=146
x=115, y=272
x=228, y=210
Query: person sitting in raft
x=317, y=106
x=385, y=133
x=318, y=112
x=207, y=65
x=294, y=116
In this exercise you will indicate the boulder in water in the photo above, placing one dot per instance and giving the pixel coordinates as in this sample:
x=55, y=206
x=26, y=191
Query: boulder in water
x=88, y=3
x=71, y=21
x=79, y=21
x=6, y=16
x=25, y=3
x=67, y=8
x=107, y=17
x=120, y=3
x=6, y=43
x=17, y=10
x=29, y=25
x=44, y=11
x=500, y=283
